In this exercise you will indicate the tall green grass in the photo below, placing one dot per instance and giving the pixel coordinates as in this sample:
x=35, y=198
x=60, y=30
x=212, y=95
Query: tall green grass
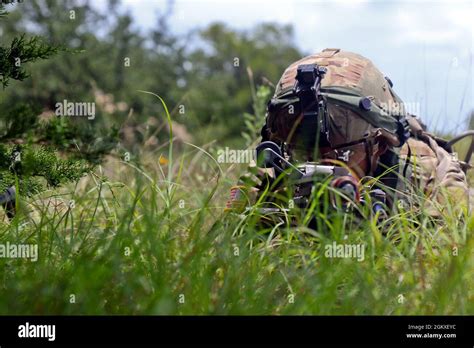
x=144, y=238
x=183, y=244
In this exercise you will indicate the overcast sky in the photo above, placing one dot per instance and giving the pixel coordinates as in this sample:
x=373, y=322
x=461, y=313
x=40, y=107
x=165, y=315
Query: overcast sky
x=425, y=47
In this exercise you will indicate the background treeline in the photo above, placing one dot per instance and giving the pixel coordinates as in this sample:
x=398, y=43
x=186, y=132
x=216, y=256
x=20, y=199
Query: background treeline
x=207, y=76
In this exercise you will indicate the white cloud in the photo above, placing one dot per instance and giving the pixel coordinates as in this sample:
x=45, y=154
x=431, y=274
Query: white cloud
x=434, y=23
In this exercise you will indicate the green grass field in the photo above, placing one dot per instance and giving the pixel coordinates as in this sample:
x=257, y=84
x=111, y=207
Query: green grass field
x=154, y=240
x=146, y=231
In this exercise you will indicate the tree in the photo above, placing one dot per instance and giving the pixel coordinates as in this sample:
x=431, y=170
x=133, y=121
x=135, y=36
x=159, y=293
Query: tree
x=224, y=68
x=115, y=63
x=29, y=158
x=20, y=52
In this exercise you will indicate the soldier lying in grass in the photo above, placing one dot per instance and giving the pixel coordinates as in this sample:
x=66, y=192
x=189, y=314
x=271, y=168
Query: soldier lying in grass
x=335, y=113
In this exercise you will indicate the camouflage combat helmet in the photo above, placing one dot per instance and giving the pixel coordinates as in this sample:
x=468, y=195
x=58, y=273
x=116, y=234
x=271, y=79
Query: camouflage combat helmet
x=365, y=115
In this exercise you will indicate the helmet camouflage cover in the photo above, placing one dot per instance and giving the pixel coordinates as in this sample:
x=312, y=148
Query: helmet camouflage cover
x=350, y=77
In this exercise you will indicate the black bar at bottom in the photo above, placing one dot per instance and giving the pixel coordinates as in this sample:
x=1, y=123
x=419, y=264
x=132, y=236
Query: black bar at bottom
x=428, y=330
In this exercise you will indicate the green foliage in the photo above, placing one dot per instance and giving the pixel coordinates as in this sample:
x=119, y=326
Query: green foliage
x=18, y=121
x=218, y=82
x=36, y=163
x=80, y=140
x=131, y=243
x=20, y=52
x=101, y=62
x=254, y=122
x=33, y=167
x=196, y=70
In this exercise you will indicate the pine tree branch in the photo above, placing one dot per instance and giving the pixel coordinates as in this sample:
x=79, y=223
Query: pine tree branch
x=27, y=164
x=3, y=12
x=20, y=52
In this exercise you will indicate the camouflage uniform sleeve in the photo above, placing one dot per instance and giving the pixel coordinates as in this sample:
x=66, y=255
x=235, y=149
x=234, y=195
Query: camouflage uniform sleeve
x=437, y=173
x=451, y=182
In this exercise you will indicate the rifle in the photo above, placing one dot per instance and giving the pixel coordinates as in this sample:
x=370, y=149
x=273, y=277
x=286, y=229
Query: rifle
x=346, y=189
x=465, y=164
